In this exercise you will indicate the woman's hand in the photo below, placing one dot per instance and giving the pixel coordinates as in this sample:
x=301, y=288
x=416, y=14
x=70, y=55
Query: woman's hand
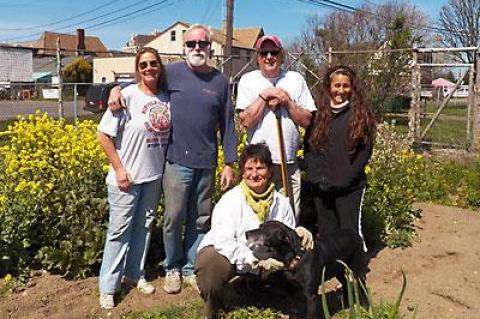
x=124, y=180
x=306, y=237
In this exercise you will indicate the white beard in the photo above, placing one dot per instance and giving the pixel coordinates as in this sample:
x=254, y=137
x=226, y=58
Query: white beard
x=197, y=58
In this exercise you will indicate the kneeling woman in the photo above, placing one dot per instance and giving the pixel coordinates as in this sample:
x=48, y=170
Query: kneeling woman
x=223, y=252
x=133, y=140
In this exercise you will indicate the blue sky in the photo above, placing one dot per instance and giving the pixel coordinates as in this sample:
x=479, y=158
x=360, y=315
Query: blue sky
x=24, y=20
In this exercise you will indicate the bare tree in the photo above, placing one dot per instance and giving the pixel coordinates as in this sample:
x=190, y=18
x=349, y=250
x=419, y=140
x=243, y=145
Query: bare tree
x=460, y=20
x=392, y=25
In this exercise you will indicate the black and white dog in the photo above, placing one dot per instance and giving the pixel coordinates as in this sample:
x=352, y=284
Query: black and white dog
x=304, y=268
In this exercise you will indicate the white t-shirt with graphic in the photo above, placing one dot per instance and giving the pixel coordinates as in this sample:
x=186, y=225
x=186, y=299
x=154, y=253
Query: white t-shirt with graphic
x=140, y=132
x=265, y=131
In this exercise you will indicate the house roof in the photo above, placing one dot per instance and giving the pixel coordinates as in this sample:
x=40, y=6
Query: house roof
x=41, y=75
x=442, y=82
x=140, y=40
x=242, y=37
x=47, y=44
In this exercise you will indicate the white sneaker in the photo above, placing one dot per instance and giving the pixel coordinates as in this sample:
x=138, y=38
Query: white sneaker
x=145, y=287
x=173, y=283
x=106, y=301
x=191, y=280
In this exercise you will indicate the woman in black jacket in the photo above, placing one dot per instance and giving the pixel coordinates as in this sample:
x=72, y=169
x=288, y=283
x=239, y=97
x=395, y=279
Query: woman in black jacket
x=338, y=145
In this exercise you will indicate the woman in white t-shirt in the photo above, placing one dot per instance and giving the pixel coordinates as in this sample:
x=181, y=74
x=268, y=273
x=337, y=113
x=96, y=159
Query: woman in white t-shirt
x=133, y=139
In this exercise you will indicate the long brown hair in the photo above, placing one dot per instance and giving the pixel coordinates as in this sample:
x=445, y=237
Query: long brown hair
x=162, y=78
x=361, y=128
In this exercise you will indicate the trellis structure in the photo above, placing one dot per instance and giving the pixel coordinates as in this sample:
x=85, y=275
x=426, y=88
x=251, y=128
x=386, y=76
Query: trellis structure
x=416, y=134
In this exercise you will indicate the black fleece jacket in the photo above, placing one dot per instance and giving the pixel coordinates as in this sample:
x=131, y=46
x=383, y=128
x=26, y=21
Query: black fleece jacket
x=332, y=168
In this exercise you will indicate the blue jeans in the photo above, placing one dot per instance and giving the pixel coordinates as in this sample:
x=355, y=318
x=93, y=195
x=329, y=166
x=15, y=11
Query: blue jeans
x=128, y=236
x=188, y=202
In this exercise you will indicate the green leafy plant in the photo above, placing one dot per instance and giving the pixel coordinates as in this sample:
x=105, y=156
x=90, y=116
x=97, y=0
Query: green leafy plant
x=52, y=197
x=395, y=174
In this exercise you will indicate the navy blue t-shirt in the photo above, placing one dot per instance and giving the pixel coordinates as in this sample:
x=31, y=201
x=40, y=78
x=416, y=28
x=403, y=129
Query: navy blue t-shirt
x=200, y=103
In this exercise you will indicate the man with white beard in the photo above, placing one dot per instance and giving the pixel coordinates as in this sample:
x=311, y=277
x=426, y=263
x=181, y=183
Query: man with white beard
x=200, y=103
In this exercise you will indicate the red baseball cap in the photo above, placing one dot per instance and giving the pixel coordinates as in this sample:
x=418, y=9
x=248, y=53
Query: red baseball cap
x=272, y=38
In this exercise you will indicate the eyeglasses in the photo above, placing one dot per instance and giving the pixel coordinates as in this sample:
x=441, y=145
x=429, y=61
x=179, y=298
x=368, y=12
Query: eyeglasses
x=144, y=64
x=272, y=53
x=193, y=44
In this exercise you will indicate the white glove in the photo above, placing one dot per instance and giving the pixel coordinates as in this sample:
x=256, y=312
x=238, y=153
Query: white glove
x=306, y=237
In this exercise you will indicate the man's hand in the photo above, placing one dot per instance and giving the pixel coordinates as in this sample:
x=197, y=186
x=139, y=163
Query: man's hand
x=115, y=99
x=306, y=238
x=124, y=180
x=276, y=97
x=226, y=179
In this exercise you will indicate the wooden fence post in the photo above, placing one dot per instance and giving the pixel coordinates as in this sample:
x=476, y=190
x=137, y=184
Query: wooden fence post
x=413, y=113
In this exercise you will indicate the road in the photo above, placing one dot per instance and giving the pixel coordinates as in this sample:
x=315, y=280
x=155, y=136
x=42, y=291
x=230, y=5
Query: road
x=10, y=109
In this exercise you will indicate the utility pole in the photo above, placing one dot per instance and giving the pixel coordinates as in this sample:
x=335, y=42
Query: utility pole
x=476, y=108
x=227, y=49
x=59, y=72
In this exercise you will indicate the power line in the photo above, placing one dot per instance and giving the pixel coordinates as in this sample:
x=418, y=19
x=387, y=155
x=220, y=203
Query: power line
x=62, y=20
x=83, y=21
x=350, y=9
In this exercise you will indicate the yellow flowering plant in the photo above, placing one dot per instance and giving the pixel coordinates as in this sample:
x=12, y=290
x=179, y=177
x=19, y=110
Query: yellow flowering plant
x=52, y=196
x=396, y=177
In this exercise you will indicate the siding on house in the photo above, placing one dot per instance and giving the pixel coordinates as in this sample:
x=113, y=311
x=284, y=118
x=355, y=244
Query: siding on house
x=16, y=64
x=169, y=43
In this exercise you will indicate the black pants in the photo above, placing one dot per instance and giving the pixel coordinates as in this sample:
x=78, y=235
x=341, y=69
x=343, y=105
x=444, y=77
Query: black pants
x=335, y=210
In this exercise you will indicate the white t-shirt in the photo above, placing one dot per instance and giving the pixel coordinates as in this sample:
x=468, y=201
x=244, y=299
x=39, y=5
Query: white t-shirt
x=139, y=133
x=250, y=86
x=232, y=217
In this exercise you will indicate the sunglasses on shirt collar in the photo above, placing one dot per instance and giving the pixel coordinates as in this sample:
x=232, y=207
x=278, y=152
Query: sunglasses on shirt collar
x=193, y=44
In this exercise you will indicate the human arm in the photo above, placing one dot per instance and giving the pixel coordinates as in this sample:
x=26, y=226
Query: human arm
x=229, y=139
x=226, y=179
x=298, y=114
x=227, y=233
x=115, y=98
x=122, y=176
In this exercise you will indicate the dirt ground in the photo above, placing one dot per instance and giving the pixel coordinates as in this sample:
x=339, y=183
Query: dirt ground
x=442, y=269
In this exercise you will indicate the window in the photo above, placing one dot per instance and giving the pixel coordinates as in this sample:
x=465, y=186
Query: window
x=235, y=52
x=173, y=35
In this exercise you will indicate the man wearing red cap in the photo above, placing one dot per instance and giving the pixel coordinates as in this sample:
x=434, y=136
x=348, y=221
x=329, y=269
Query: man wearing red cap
x=260, y=93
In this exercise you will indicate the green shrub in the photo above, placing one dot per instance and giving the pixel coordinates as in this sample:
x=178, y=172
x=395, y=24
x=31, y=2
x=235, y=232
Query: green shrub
x=395, y=175
x=52, y=197
x=453, y=183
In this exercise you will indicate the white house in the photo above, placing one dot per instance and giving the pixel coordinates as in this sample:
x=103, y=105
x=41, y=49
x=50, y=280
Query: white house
x=169, y=43
x=16, y=64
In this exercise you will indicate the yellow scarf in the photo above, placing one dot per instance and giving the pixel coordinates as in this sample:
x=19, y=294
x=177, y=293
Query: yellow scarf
x=260, y=203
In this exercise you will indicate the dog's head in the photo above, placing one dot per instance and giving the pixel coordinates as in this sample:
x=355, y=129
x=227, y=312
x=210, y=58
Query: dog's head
x=274, y=240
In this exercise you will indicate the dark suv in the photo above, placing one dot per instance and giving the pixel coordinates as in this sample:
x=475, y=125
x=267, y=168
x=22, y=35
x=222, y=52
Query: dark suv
x=96, y=97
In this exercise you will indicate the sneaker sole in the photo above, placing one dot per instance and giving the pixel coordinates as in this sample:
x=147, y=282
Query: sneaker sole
x=172, y=292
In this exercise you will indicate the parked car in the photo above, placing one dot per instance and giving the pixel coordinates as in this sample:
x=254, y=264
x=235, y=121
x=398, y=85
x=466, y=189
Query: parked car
x=96, y=97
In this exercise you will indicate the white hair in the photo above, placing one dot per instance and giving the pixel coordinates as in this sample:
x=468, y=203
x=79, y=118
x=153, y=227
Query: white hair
x=195, y=26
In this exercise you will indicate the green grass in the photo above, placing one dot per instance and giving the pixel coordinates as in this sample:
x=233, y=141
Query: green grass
x=456, y=107
x=446, y=131
x=191, y=310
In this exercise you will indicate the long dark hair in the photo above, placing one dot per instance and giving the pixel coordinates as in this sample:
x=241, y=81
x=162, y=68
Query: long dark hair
x=361, y=128
x=162, y=78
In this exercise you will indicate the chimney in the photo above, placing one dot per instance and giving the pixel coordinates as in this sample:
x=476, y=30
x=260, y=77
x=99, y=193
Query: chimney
x=80, y=41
